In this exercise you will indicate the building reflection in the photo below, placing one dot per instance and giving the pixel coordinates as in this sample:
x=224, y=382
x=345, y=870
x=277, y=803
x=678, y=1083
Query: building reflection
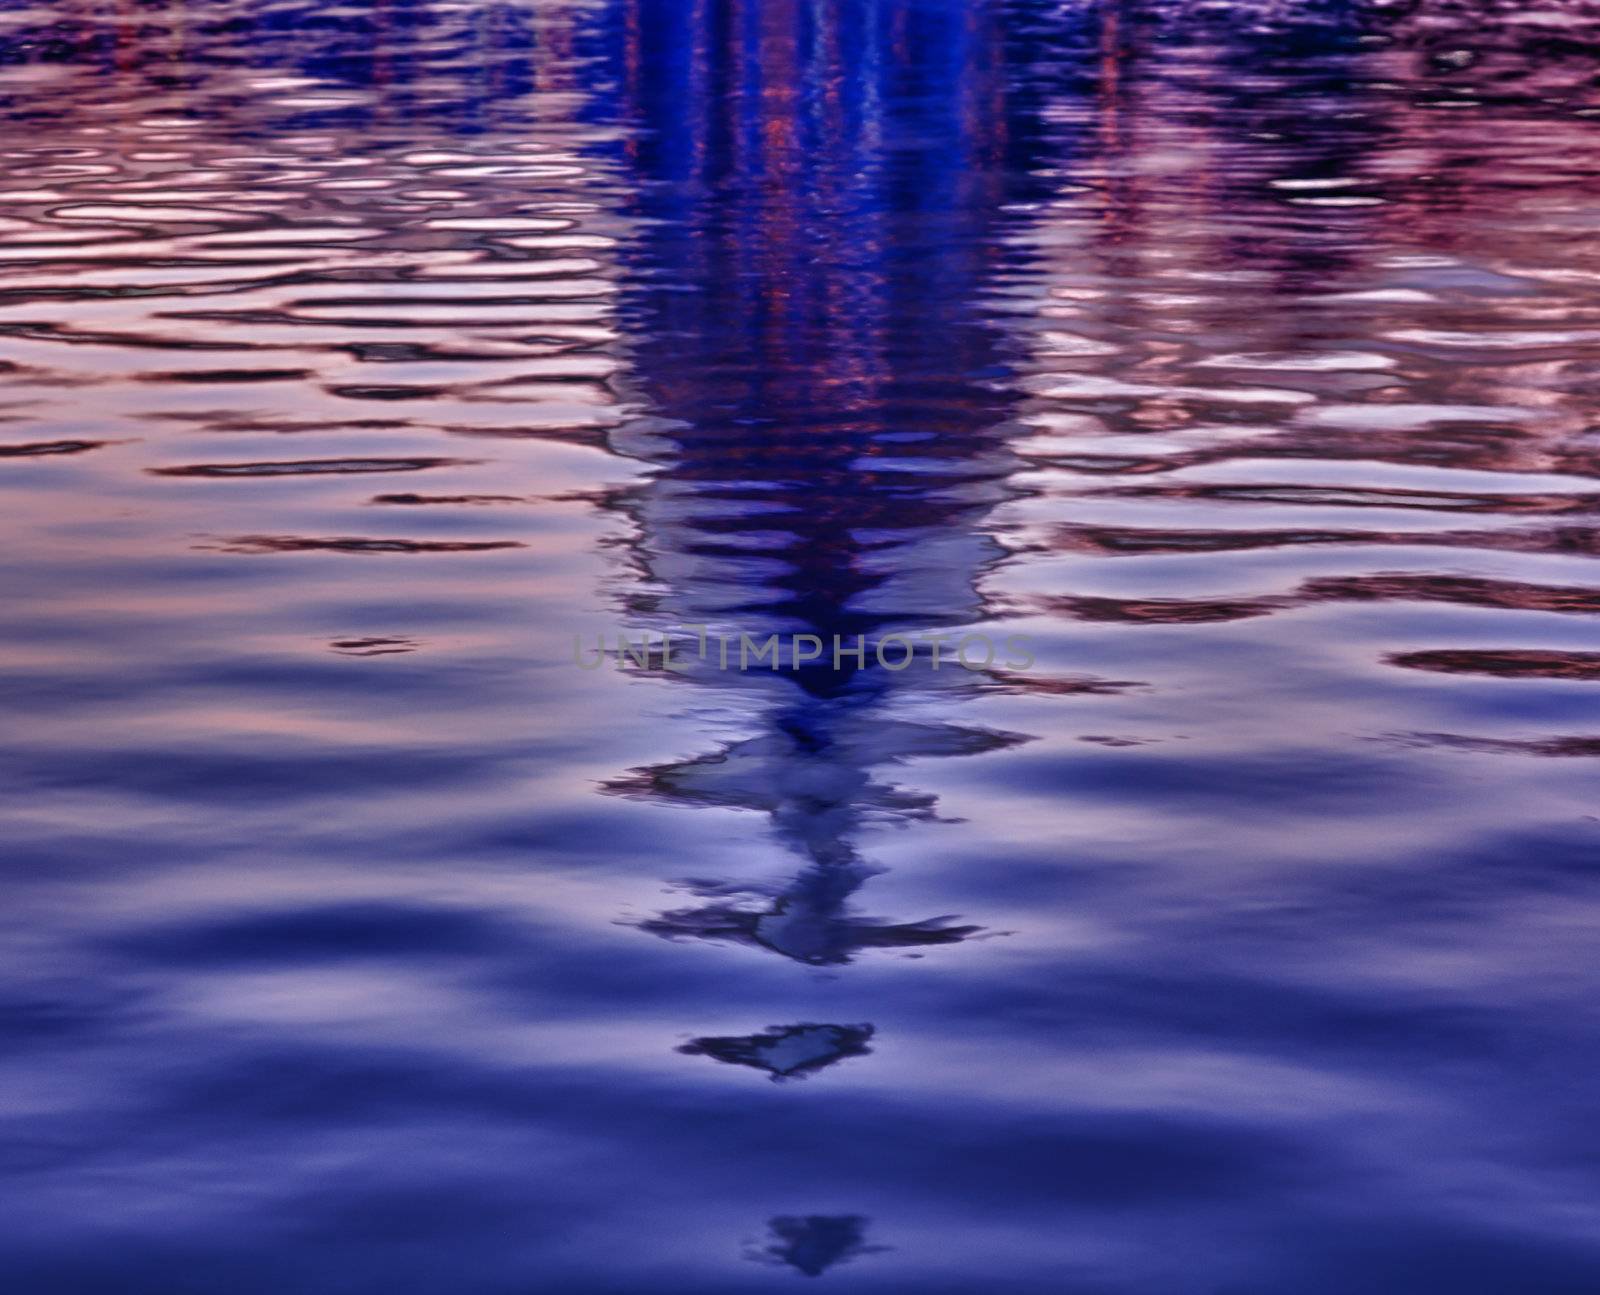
x=1194, y=282
x=363, y=67
x=818, y=197
x=813, y=1243
x=811, y=774
x=787, y=1051
x=1219, y=279
x=820, y=190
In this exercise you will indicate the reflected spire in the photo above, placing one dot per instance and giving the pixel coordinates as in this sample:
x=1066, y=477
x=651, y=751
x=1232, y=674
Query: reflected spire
x=810, y=772
x=787, y=1051
x=818, y=198
x=814, y=1243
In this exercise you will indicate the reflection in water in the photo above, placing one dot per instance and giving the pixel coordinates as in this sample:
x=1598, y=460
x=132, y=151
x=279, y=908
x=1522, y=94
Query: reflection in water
x=1554, y=746
x=1242, y=356
x=1511, y=664
x=816, y=214
x=811, y=776
x=1464, y=590
x=349, y=544
x=816, y=1243
x=787, y=1052
x=41, y=448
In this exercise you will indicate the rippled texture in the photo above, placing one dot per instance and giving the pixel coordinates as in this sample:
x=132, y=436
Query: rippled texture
x=1242, y=357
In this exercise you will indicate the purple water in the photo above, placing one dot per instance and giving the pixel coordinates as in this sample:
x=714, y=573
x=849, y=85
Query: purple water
x=1238, y=363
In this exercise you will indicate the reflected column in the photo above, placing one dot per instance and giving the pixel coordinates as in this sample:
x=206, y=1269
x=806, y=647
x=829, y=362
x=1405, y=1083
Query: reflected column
x=820, y=188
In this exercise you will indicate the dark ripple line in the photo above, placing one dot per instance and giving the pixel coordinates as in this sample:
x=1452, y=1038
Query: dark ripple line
x=307, y=467
x=1364, y=497
x=1124, y=541
x=40, y=449
x=1572, y=746
x=1506, y=663
x=353, y=544
x=1468, y=591
x=413, y=500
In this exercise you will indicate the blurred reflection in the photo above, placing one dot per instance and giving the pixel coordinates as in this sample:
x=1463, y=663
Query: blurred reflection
x=815, y=1243
x=811, y=776
x=1224, y=283
x=787, y=1052
x=818, y=193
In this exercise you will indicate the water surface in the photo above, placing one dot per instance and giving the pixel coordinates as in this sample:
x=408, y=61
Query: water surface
x=1242, y=358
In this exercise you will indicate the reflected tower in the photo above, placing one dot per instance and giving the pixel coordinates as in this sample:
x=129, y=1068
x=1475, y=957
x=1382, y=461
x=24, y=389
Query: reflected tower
x=819, y=195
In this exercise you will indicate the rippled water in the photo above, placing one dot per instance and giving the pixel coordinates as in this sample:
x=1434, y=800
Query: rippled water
x=1243, y=358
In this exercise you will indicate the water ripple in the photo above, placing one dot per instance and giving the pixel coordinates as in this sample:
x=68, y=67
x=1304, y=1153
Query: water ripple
x=1236, y=362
